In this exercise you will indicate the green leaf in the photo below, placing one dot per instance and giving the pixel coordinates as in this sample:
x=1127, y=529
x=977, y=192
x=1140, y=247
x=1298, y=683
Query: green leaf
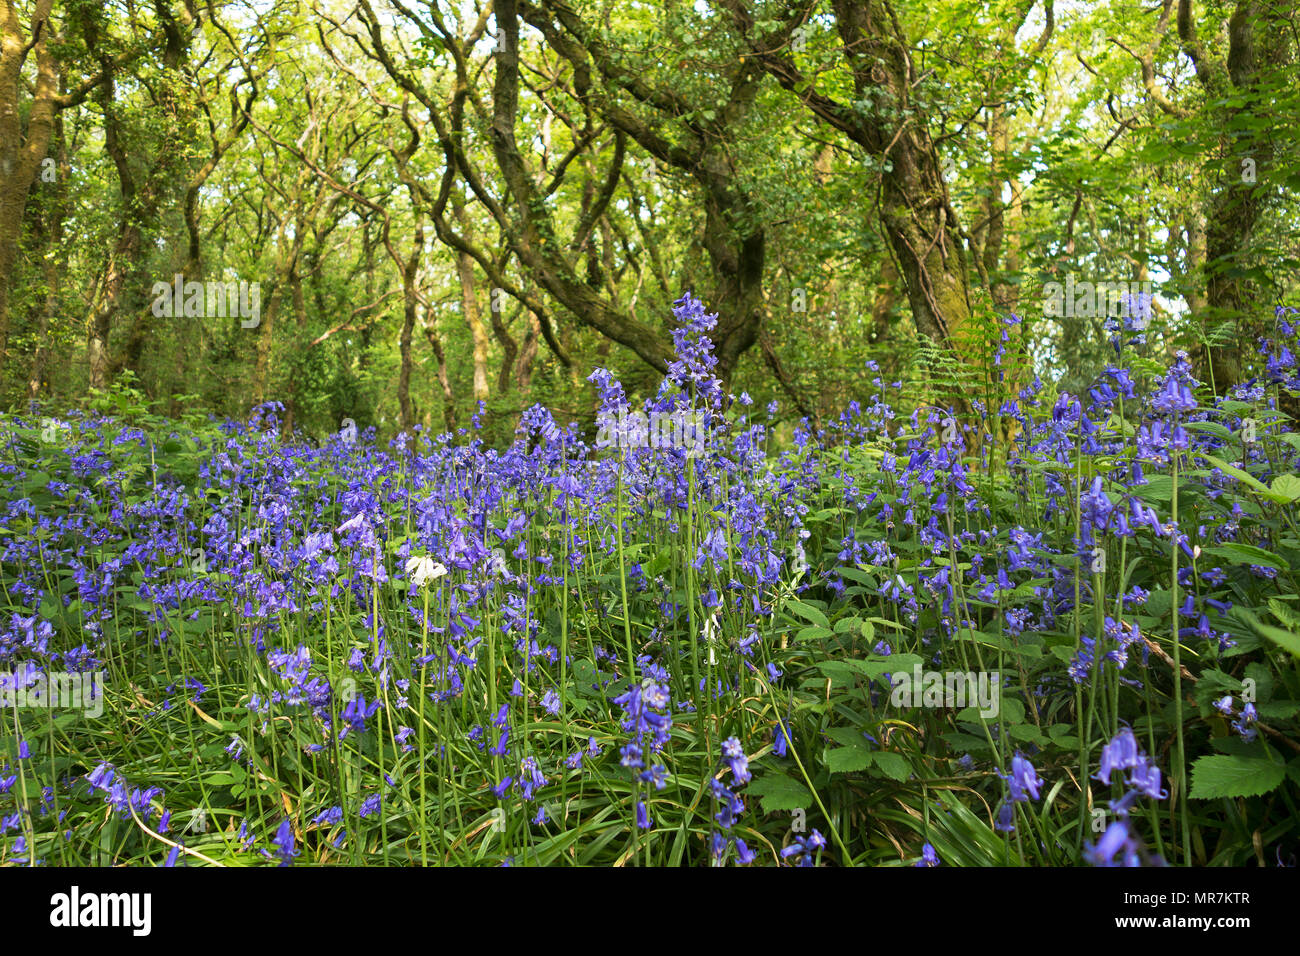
x=838, y=671
x=1284, y=639
x=1239, y=553
x=1028, y=733
x=809, y=614
x=848, y=736
x=1246, y=479
x=813, y=633
x=779, y=792
x=1157, y=488
x=1221, y=776
x=892, y=765
x=847, y=759
x=1283, y=613
x=858, y=575
x=1288, y=486
x=1210, y=428
x=1279, y=709
x=876, y=667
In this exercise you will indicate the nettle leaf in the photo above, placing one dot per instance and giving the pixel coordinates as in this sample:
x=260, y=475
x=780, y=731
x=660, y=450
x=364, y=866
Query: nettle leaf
x=858, y=575
x=1210, y=428
x=809, y=613
x=1288, y=617
x=1158, y=602
x=778, y=792
x=1239, y=553
x=848, y=736
x=892, y=765
x=1288, y=486
x=877, y=667
x=1262, y=679
x=1157, y=488
x=1234, y=407
x=838, y=671
x=813, y=633
x=848, y=759
x=1278, y=709
x=1063, y=652
x=1028, y=733
x=1284, y=639
x=1233, y=776
x=965, y=743
x=1247, y=479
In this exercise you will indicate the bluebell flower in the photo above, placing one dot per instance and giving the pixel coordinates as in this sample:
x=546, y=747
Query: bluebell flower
x=551, y=703
x=805, y=848
x=329, y=817
x=1115, y=840
x=1120, y=754
x=356, y=713
x=1245, y=724
x=736, y=759
x=101, y=778
x=780, y=740
x=284, y=843
x=744, y=855
x=1023, y=781
x=1146, y=779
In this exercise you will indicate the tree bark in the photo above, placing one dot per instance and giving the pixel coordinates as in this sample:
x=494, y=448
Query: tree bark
x=22, y=146
x=1257, y=49
x=915, y=213
x=469, y=307
x=54, y=263
x=410, y=303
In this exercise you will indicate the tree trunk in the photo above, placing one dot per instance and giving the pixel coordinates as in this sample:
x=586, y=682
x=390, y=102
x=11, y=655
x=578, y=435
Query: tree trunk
x=21, y=149
x=1257, y=49
x=448, y=397
x=410, y=302
x=915, y=213
x=473, y=318
x=54, y=265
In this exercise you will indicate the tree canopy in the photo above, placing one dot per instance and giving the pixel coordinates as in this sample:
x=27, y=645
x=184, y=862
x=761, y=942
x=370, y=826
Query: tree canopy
x=403, y=212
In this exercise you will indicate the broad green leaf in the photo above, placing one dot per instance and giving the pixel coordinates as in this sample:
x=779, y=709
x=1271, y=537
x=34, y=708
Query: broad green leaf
x=1223, y=776
x=813, y=633
x=1239, y=553
x=1284, y=639
x=1288, y=486
x=1247, y=479
x=778, y=792
x=848, y=759
x=892, y=765
x=809, y=614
